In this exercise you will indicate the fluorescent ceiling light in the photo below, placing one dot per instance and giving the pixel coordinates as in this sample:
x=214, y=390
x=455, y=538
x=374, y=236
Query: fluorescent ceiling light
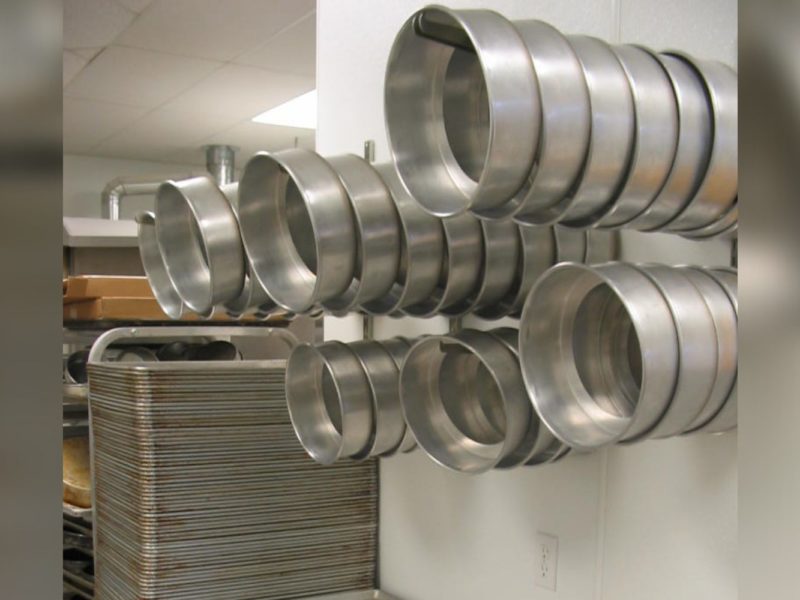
x=297, y=112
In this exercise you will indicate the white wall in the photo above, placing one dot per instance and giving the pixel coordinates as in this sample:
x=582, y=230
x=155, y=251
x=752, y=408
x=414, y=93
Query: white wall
x=656, y=520
x=86, y=176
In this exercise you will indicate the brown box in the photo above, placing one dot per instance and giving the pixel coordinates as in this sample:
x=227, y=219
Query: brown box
x=84, y=287
x=135, y=309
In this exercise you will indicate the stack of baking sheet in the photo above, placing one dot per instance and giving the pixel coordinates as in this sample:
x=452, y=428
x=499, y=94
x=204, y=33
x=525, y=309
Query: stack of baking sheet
x=203, y=491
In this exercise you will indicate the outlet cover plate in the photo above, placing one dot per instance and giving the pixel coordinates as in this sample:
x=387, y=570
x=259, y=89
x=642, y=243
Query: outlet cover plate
x=546, y=561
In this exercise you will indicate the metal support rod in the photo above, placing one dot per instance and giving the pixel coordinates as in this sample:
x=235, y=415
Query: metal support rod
x=456, y=324
x=369, y=320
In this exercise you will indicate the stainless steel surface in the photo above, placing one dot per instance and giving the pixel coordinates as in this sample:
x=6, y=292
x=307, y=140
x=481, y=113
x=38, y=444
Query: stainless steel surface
x=253, y=298
x=601, y=246
x=421, y=254
x=614, y=136
x=612, y=130
x=297, y=227
x=221, y=163
x=656, y=137
x=461, y=267
x=502, y=249
x=719, y=187
x=199, y=239
x=539, y=445
x=571, y=244
x=464, y=399
x=383, y=376
x=398, y=348
x=537, y=254
x=727, y=417
x=155, y=269
x=203, y=491
x=462, y=109
x=330, y=401
x=599, y=353
x=728, y=223
x=566, y=122
x=693, y=151
x=377, y=234
x=725, y=324
x=697, y=349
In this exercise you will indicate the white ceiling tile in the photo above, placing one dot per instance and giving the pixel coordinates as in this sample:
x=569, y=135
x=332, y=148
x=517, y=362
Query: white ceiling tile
x=249, y=138
x=123, y=146
x=255, y=137
x=162, y=132
x=192, y=156
x=239, y=92
x=136, y=6
x=211, y=28
x=293, y=50
x=86, y=122
x=72, y=65
x=137, y=77
x=92, y=23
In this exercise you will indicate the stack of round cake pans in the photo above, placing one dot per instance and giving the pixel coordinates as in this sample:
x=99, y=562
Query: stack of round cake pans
x=202, y=491
x=621, y=353
x=460, y=397
x=192, y=253
x=343, y=235
x=516, y=119
x=465, y=401
x=344, y=400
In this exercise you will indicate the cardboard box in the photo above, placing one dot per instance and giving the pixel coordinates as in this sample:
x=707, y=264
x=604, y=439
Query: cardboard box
x=136, y=309
x=86, y=287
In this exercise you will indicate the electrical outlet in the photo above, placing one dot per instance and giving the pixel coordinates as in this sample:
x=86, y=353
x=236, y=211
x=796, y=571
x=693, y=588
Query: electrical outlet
x=546, y=561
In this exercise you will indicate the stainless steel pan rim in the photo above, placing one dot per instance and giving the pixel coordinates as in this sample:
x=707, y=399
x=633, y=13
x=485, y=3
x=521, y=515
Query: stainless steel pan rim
x=383, y=377
x=162, y=286
x=329, y=401
x=693, y=151
x=460, y=269
x=601, y=246
x=538, y=445
x=502, y=250
x=463, y=256
x=720, y=185
x=464, y=399
x=727, y=417
x=421, y=254
x=571, y=244
x=466, y=252
x=296, y=189
x=587, y=394
x=655, y=139
x=697, y=349
x=728, y=223
x=725, y=323
x=537, y=254
x=253, y=297
x=612, y=130
x=565, y=130
x=377, y=234
x=398, y=348
x=200, y=242
x=445, y=68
